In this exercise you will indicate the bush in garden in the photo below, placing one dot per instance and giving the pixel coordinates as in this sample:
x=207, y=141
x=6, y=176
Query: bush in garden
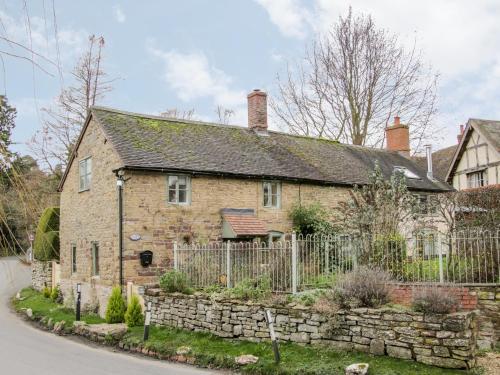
x=133, y=315
x=363, y=287
x=116, y=307
x=54, y=294
x=174, y=281
x=389, y=252
x=251, y=289
x=434, y=300
x=46, y=244
x=46, y=292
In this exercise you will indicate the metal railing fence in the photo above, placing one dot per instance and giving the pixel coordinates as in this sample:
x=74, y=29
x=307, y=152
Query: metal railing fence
x=308, y=262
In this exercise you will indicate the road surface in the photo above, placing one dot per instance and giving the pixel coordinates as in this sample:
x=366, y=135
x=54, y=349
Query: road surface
x=25, y=350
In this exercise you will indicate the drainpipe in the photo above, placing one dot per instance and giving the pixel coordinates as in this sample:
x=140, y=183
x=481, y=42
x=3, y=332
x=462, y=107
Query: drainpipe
x=119, y=183
x=428, y=150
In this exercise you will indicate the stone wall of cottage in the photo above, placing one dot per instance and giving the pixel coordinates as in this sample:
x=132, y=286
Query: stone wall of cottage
x=440, y=340
x=41, y=274
x=91, y=216
x=159, y=223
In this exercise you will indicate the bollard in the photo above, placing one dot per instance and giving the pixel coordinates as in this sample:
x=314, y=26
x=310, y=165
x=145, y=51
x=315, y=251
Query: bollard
x=276, y=349
x=147, y=321
x=78, y=300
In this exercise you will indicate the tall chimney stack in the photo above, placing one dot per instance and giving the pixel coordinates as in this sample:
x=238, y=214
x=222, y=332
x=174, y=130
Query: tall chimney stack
x=257, y=110
x=459, y=136
x=398, y=137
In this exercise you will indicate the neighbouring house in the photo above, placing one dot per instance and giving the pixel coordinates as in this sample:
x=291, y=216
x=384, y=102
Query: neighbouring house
x=476, y=160
x=136, y=183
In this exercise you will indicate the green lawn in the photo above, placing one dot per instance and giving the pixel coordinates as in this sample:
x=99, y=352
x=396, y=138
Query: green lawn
x=42, y=306
x=296, y=359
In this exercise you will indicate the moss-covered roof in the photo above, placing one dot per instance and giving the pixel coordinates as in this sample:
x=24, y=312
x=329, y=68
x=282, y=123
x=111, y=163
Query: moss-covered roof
x=155, y=143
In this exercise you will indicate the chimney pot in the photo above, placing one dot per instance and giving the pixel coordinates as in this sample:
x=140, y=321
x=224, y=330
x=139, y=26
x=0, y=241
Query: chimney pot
x=257, y=110
x=398, y=137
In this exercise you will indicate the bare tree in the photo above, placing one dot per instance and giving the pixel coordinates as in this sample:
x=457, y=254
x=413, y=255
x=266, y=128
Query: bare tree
x=352, y=81
x=179, y=114
x=223, y=114
x=62, y=123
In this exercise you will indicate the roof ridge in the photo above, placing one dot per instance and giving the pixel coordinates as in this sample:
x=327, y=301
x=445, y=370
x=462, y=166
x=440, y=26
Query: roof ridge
x=237, y=127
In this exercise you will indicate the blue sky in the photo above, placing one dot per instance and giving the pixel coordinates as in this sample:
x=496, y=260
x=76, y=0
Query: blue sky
x=198, y=54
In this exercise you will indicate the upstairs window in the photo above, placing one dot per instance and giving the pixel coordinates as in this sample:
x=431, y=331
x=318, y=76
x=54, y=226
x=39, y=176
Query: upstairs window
x=95, y=259
x=476, y=179
x=272, y=194
x=426, y=204
x=179, y=189
x=85, y=173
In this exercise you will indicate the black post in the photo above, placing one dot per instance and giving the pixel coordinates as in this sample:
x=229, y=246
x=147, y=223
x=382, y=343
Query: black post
x=78, y=300
x=276, y=349
x=119, y=184
x=147, y=320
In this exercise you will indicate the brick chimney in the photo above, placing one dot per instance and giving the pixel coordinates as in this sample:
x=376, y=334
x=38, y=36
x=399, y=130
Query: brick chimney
x=459, y=136
x=257, y=110
x=398, y=137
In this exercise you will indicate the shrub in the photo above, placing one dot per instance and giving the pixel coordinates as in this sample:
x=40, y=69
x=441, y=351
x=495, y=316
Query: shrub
x=133, y=315
x=389, y=251
x=46, y=292
x=251, y=289
x=116, y=307
x=434, y=300
x=363, y=287
x=312, y=219
x=46, y=244
x=54, y=294
x=174, y=281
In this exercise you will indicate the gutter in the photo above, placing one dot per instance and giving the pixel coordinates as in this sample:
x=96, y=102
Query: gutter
x=264, y=177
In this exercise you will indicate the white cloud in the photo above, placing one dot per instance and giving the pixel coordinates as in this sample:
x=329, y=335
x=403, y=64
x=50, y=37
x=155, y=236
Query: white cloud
x=193, y=77
x=119, y=14
x=288, y=15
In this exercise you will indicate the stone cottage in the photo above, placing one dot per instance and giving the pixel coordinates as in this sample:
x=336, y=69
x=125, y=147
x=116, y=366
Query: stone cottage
x=137, y=183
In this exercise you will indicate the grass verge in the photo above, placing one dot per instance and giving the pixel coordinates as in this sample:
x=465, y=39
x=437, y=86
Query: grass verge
x=211, y=351
x=45, y=307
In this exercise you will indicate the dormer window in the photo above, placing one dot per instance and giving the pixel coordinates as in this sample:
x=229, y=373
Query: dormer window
x=406, y=172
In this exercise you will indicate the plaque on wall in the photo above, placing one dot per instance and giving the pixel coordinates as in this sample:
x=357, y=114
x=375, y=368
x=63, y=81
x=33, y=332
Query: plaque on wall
x=135, y=237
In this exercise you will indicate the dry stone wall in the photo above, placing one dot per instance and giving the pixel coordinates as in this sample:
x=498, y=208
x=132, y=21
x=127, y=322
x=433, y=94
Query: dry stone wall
x=440, y=340
x=41, y=274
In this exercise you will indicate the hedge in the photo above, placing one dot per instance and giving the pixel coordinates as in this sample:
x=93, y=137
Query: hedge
x=46, y=245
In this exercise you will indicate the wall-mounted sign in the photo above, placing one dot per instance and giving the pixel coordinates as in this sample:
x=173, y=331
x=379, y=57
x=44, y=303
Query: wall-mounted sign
x=135, y=237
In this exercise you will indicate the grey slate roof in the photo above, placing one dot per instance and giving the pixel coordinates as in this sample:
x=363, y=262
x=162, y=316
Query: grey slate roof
x=155, y=143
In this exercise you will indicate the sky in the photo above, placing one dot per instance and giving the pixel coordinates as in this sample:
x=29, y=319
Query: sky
x=195, y=54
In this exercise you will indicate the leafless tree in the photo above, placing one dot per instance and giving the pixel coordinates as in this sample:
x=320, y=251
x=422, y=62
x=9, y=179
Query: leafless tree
x=179, y=114
x=63, y=122
x=223, y=114
x=352, y=81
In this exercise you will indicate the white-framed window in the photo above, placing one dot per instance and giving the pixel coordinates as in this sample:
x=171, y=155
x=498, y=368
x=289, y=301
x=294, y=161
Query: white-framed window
x=179, y=189
x=73, y=258
x=426, y=204
x=476, y=179
x=95, y=259
x=272, y=194
x=85, y=173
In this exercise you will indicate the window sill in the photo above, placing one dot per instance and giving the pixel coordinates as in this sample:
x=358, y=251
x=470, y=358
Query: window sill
x=84, y=190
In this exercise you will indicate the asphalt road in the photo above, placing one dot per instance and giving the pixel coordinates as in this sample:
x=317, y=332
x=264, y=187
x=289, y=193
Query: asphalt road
x=25, y=350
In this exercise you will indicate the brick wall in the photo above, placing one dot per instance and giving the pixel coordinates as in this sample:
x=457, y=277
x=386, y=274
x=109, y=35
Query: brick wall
x=484, y=299
x=440, y=340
